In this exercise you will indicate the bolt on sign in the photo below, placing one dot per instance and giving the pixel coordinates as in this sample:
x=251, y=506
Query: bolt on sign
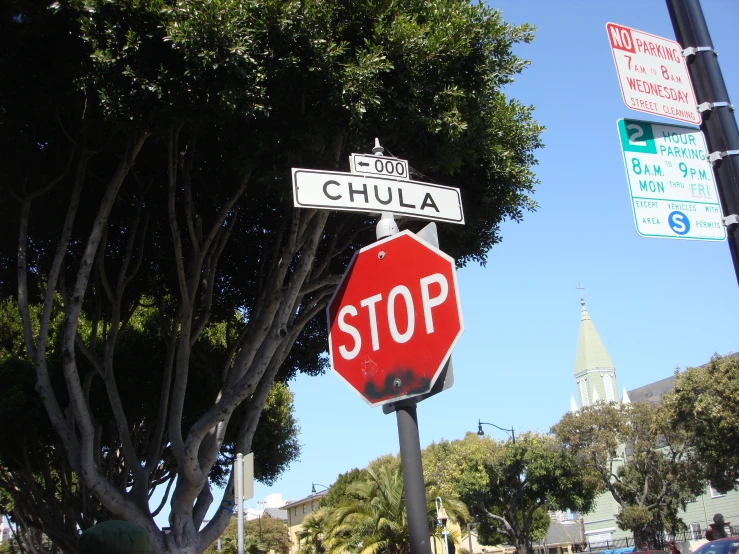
x=653, y=74
x=394, y=319
x=671, y=182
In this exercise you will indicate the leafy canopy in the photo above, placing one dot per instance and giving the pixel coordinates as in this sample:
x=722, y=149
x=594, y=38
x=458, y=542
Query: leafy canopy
x=705, y=404
x=371, y=518
x=510, y=486
x=262, y=535
x=146, y=205
x=639, y=459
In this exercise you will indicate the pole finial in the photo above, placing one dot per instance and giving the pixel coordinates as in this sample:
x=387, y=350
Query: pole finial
x=378, y=150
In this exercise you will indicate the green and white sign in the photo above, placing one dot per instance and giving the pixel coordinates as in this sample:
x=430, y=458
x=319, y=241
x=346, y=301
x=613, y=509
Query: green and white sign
x=672, y=187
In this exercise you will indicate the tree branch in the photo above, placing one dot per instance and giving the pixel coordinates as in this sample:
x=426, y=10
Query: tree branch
x=173, y=225
x=507, y=529
x=155, y=513
x=211, y=270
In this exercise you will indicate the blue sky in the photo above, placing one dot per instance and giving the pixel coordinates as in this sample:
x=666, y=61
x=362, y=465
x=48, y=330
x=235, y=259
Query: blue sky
x=657, y=304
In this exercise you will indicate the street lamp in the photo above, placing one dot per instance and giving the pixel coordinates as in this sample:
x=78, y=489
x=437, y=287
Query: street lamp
x=480, y=432
x=442, y=517
x=313, y=487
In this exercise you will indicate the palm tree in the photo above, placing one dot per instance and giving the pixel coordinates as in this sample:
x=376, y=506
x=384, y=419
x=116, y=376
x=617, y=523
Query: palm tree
x=310, y=536
x=372, y=519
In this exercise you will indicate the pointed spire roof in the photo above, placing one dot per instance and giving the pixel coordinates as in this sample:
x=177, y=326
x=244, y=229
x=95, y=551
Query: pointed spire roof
x=625, y=397
x=573, y=405
x=591, y=353
x=595, y=397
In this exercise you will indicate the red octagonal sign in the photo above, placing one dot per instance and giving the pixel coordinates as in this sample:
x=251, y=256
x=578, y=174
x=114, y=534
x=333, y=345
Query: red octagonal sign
x=394, y=319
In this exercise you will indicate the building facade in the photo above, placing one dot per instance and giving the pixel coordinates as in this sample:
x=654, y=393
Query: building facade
x=595, y=380
x=297, y=511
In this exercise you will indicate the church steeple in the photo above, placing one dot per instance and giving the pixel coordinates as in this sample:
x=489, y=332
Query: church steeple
x=595, y=374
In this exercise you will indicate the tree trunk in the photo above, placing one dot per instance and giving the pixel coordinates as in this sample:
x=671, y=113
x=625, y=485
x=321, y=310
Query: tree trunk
x=639, y=537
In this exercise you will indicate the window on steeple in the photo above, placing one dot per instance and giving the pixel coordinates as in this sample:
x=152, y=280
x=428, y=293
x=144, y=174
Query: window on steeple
x=608, y=384
x=584, y=399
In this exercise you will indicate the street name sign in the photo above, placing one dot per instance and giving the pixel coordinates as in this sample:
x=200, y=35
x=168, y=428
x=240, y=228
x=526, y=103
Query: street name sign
x=671, y=182
x=334, y=190
x=394, y=319
x=378, y=165
x=653, y=74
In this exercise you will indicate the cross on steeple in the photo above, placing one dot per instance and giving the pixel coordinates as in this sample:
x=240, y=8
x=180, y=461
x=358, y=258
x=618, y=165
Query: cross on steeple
x=578, y=287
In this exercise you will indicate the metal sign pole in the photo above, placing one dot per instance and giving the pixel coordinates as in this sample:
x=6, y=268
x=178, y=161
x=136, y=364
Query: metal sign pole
x=719, y=125
x=410, y=442
x=415, y=488
x=239, y=485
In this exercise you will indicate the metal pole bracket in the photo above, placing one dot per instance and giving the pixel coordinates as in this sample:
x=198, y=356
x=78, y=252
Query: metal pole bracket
x=713, y=157
x=693, y=50
x=705, y=106
x=730, y=220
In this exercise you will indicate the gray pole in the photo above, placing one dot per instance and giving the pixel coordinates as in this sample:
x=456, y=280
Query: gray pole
x=719, y=125
x=410, y=443
x=239, y=485
x=469, y=537
x=415, y=489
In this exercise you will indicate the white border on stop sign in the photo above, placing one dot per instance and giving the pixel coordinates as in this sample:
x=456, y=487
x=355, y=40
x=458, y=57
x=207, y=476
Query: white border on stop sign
x=459, y=311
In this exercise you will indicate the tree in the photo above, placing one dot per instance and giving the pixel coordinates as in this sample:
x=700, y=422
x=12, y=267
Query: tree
x=311, y=534
x=372, y=517
x=38, y=488
x=146, y=151
x=336, y=493
x=644, y=464
x=271, y=531
x=315, y=526
x=261, y=535
x=705, y=405
x=510, y=486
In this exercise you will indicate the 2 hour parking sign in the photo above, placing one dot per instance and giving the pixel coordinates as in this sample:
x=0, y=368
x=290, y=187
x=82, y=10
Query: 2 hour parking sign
x=671, y=182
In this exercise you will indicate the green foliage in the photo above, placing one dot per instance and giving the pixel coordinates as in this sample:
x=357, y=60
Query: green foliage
x=271, y=531
x=634, y=518
x=167, y=107
x=389, y=462
x=9, y=547
x=275, y=442
x=340, y=490
x=337, y=492
x=371, y=518
x=259, y=76
x=261, y=535
x=705, y=405
x=510, y=486
x=311, y=534
x=30, y=449
x=644, y=463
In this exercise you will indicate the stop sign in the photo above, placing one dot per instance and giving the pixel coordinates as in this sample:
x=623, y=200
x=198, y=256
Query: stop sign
x=394, y=319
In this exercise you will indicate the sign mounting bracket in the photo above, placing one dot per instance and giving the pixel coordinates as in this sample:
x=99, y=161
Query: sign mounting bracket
x=693, y=50
x=707, y=106
x=714, y=157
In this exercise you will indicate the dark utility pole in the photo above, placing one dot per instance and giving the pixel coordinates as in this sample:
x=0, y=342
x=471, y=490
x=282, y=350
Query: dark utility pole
x=719, y=125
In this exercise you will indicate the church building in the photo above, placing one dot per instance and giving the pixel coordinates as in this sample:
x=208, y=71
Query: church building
x=595, y=381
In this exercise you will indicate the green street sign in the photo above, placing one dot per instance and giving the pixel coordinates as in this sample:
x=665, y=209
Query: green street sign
x=671, y=182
